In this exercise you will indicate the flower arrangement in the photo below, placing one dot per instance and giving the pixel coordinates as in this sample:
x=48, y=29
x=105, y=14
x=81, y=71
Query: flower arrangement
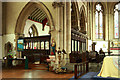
x=11, y=54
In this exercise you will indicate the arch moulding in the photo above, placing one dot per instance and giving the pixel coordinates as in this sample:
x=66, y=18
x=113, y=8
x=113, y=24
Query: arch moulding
x=26, y=11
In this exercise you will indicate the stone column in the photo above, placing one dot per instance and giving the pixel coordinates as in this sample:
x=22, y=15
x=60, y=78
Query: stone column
x=106, y=25
x=17, y=36
x=59, y=6
x=88, y=21
x=91, y=21
x=64, y=33
x=59, y=24
x=108, y=30
x=88, y=24
x=68, y=29
x=64, y=29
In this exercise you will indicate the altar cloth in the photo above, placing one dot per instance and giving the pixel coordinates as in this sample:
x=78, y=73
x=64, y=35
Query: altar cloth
x=110, y=67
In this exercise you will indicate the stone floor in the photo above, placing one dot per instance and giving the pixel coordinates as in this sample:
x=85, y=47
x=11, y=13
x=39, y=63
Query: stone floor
x=42, y=72
x=95, y=67
x=34, y=73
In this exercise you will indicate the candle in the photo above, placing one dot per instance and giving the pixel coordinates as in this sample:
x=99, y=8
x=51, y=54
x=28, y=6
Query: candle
x=14, y=57
x=24, y=57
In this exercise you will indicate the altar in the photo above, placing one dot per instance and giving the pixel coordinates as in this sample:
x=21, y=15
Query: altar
x=110, y=67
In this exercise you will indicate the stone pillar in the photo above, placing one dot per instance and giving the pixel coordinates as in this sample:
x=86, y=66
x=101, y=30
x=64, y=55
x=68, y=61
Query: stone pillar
x=68, y=29
x=59, y=6
x=88, y=24
x=17, y=36
x=106, y=25
x=64, y=30
x=88, y=21
x=108, y=30
x=58, y=26
x=91, y=21
x=59, y=23
x=61, y=26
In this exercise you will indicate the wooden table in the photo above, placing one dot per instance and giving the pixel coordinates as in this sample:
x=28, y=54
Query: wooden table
x=8, y=62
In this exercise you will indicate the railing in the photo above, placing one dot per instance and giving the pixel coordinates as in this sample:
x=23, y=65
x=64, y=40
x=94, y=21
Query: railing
x=80, y=69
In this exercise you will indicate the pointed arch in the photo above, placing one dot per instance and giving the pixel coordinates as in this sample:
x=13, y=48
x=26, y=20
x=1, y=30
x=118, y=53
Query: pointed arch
x=27, y=10
x=99, y=20
x=82, y=19
x=34, y=30
x=74, y=15
x=103, y=6
x=112, y=7
x=8, y=47
x=82, y=9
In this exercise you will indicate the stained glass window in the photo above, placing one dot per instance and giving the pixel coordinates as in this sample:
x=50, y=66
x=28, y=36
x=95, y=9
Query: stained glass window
x=116, y=29
x=99, y=21
x=31, y=34
x=96, y=17
x=32, y=31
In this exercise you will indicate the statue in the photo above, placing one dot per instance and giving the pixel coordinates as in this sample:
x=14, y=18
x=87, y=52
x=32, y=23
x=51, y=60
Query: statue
x=53, y=47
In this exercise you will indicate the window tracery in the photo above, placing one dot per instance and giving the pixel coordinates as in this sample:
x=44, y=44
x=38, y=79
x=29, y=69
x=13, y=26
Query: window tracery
x=99, y=21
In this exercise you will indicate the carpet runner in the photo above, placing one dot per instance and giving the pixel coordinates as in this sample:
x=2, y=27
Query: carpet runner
x=93, y=76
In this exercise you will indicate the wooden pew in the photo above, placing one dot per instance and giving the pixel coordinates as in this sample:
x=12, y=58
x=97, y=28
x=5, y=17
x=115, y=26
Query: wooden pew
x=80, y=69
x=82, y=65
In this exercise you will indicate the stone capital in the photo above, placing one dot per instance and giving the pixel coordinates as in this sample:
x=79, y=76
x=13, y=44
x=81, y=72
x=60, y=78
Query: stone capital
x=18, y=35
x=57, y=4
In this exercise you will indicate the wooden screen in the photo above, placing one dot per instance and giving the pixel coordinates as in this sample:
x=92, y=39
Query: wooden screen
x=78, y=46
x=78, y=43
x=37, y=48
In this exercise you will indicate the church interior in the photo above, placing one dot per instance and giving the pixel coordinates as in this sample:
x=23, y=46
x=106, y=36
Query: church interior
x=64, y=40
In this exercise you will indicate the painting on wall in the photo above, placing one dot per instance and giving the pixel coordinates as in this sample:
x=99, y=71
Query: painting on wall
x=20, y=44
x=115, y=44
